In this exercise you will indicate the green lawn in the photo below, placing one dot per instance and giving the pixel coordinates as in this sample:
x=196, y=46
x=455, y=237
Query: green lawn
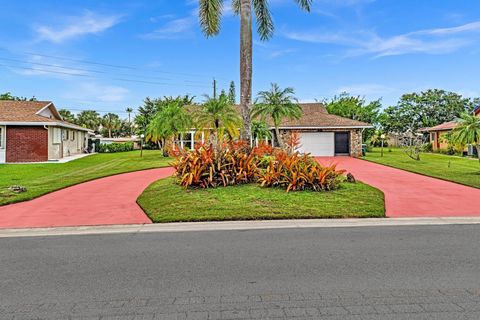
x=452, y=168
x=44, y=178
x=164, y=201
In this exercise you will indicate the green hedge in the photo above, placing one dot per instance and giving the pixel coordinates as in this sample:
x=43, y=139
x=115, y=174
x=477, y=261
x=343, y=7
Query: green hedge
x=115, y=147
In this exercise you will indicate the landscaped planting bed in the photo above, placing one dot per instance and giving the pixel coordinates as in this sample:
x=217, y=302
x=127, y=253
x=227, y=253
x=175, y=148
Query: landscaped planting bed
x=165, y=201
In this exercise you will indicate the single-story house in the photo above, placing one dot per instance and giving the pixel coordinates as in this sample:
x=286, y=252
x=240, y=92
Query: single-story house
x=321, y=133
x=105, y=140
x=34, y=131
x=438, y=134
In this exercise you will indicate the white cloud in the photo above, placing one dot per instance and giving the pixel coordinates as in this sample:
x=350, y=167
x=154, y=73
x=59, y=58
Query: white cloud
x=430, y=41
x=173, y=29
x=98, y=92
x=88, y=23
x=281, y=52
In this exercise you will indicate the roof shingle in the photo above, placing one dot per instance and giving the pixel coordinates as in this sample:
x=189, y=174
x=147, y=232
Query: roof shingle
x=27, y=111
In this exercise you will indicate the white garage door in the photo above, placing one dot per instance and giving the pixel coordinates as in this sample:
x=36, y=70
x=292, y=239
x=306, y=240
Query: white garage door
x=317, y=143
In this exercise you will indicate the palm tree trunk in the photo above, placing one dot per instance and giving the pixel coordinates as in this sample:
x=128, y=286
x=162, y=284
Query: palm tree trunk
x=246, y=65
x=478, y=151
x=277, y=136
x=109, y=132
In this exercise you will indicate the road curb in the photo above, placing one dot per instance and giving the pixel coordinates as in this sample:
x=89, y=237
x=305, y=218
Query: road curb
x=237, y=225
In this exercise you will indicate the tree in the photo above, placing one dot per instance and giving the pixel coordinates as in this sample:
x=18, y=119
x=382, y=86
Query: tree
x=111, y=122
x=9, y=96
x=260, y=130
x=425, y=109
x=219, y=116
x=89, y=119
x=210, y=13
x=356, y=108
x=67, y=115
x=277, y=104
x=151, y=107
x=172, y=120
x=467, y=132
x=232, y=96
x=129, y=111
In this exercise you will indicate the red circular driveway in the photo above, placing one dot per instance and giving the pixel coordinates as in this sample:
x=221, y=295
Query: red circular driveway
x=110, y=200
x=412, y=195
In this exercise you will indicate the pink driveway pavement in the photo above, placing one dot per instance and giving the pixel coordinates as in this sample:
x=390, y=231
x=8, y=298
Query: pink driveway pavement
x=412, y=195
x=110, y=200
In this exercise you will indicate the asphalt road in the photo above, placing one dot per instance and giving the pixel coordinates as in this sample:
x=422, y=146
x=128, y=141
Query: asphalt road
x=319, y=273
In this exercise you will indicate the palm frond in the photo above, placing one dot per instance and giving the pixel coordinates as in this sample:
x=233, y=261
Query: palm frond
x=264, y=19
x=305, y=4
x=210, y=13
x=236, y=7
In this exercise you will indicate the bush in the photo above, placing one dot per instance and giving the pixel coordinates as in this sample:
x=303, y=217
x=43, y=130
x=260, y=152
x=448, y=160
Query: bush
x=115, y=147
x=427, y=147
x=205, y=167
x=295, y=172
x=237, y=163
x=450, y=151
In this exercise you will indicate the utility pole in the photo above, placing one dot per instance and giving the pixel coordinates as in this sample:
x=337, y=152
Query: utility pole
x=214, y=88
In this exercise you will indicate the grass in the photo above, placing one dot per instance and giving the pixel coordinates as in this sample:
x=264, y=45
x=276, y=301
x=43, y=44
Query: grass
x=164, y=201
x=452, y=168
x=40, y=179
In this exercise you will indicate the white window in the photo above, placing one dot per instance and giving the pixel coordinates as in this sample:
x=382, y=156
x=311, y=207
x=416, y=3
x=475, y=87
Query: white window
x=57, y=135
x=73, y=136
x=2, y=137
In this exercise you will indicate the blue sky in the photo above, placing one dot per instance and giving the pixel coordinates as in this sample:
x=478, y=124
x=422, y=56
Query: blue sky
x=107, y=55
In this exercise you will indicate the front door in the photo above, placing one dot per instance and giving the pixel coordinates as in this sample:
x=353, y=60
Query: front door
x=342, y=143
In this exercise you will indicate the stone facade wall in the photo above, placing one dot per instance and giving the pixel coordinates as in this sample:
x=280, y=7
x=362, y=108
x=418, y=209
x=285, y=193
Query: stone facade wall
x=356, y=143
x=26, y=144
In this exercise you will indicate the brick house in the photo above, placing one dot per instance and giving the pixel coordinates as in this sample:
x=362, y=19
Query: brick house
x=34, y=131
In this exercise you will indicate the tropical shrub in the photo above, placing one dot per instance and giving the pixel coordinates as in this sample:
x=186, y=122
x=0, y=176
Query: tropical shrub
x=206, y=167
x=236, y=163
x=427, y=147
x=295, y=172
x=115, y=147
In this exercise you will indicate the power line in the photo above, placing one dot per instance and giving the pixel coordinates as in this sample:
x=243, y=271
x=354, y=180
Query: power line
x=90, y=76
x=90, y=70
x=108, y=65
x=80, y=61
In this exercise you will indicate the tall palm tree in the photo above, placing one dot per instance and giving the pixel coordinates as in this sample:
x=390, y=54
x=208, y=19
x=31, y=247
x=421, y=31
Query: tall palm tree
x=129, y=111
x=89, y=119
x=111, y=122
x=210, y=12
x=168, y=123
x=277, y=104
x=467, y=132
x=218, y=115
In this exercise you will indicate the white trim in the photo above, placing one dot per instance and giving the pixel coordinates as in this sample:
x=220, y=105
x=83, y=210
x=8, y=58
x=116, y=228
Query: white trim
x=58, y=124
x=3, y=136
x=319, y=127
x=43, y=108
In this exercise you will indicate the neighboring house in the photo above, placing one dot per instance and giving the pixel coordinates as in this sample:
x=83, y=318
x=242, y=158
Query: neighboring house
x=321, y=133
x=34, y=131
x=135, y=140
x=438, y=134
